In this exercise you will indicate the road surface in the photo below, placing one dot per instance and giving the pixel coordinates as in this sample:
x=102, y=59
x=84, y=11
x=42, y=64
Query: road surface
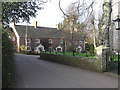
x=36, y=73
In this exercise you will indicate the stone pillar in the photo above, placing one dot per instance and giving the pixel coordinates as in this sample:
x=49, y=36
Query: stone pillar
x=103, y=55
x=105, y=58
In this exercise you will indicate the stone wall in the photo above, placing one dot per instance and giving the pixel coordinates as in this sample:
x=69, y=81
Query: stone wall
x=89, y=63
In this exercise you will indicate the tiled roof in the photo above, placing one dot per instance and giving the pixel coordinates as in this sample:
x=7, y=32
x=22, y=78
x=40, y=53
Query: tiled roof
x=39, y=32
x=43, y=32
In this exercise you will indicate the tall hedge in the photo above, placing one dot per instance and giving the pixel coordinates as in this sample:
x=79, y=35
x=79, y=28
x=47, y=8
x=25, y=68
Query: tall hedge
x=7, y=61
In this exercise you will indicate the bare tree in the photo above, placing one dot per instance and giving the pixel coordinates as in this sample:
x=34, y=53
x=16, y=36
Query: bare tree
x=94, y=30
x=81, y=8
x=76, y=16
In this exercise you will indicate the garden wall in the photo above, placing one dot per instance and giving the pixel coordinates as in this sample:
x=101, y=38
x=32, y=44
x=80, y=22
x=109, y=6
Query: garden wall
x=89, y=63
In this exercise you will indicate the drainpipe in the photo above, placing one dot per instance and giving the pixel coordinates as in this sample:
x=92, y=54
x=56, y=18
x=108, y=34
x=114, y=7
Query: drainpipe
x=26, y=36
x=84, y=45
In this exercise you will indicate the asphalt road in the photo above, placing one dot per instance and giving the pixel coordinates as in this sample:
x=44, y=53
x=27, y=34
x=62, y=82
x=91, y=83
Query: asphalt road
x=35, y=73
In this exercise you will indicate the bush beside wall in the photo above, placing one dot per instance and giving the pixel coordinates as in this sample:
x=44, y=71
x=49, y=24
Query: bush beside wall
x=82, y=62
x=7, y=61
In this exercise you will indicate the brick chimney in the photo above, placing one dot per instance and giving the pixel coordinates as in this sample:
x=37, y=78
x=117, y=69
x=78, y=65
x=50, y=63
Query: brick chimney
x=35, y=24
x=57, y=26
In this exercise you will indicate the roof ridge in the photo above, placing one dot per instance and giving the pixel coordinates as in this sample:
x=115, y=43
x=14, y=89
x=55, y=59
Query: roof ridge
x=37, y=26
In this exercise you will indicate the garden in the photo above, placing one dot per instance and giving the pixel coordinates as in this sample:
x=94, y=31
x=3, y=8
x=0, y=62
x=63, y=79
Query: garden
x=83, y=54
x=89, y=52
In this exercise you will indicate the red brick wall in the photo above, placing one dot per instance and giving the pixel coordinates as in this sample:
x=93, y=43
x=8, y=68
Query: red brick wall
x=78, y=43
x=55, y=42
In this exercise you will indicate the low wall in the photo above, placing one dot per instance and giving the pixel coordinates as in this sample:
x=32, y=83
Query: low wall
x=89, y=63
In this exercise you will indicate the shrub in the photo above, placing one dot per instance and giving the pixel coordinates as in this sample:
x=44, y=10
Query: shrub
x=92, y=49
x=87, y=47
x=83, y=51
x=23, y=48
x=7, y=61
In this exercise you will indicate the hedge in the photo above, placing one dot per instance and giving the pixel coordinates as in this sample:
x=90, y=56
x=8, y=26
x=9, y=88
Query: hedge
x=88, y=63
x=7, y=61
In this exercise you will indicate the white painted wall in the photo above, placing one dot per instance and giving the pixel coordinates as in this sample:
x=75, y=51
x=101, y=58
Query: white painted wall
x=17, y=36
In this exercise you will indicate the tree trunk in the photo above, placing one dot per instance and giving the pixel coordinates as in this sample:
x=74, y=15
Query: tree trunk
x=94, y=36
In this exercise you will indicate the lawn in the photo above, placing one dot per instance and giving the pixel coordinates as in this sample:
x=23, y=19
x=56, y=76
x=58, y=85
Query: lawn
x=71, y=53
x=114, y=57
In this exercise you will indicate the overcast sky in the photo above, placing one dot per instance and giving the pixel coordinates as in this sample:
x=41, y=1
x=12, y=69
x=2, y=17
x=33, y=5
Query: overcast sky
x=51, y=14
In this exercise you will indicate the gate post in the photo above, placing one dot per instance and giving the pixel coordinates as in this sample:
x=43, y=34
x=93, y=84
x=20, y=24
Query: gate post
x=105, y=59
x=118, y=64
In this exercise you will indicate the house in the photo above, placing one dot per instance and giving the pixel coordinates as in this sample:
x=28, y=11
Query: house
x=38, y=39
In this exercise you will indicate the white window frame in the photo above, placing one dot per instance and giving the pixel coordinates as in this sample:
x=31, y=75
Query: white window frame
x=50, y=48
x=35, y=49
x=29, y=47
x=13, y=38
x=28, y=39
x=38, y=40
x=61, y=40
x=51, y=41
x=80, y=42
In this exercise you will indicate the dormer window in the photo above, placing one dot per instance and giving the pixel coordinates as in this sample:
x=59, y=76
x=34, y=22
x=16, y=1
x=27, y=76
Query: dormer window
x=50, y=41
x=28, y=40
x=37, y=40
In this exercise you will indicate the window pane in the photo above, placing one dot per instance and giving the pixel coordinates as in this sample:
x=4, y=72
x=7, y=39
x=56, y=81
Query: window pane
x=50, y=41
x=28, y=48
x=80, y=42
x=13, y=38
x=28, y=40
x=61, y=41
x=37, y=40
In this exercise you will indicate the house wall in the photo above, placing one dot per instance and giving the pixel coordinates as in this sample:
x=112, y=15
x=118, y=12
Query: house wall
x=113, y=33
x=16, y=35
x=12, y=34
x=22, y=41
x=55, y=42
x=33, y=44
x=78, y=43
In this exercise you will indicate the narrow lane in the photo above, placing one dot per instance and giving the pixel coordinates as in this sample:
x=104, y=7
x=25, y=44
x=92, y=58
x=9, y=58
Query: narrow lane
x=35, y=73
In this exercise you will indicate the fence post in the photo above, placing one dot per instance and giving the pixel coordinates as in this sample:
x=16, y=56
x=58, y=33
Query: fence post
x=56, y=52
x=73, y=53
x=106, y=62
x=86, y=54
x=118, y=64
x=63, y=52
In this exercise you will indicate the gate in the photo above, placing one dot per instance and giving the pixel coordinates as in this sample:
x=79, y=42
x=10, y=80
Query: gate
x=113, y=61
